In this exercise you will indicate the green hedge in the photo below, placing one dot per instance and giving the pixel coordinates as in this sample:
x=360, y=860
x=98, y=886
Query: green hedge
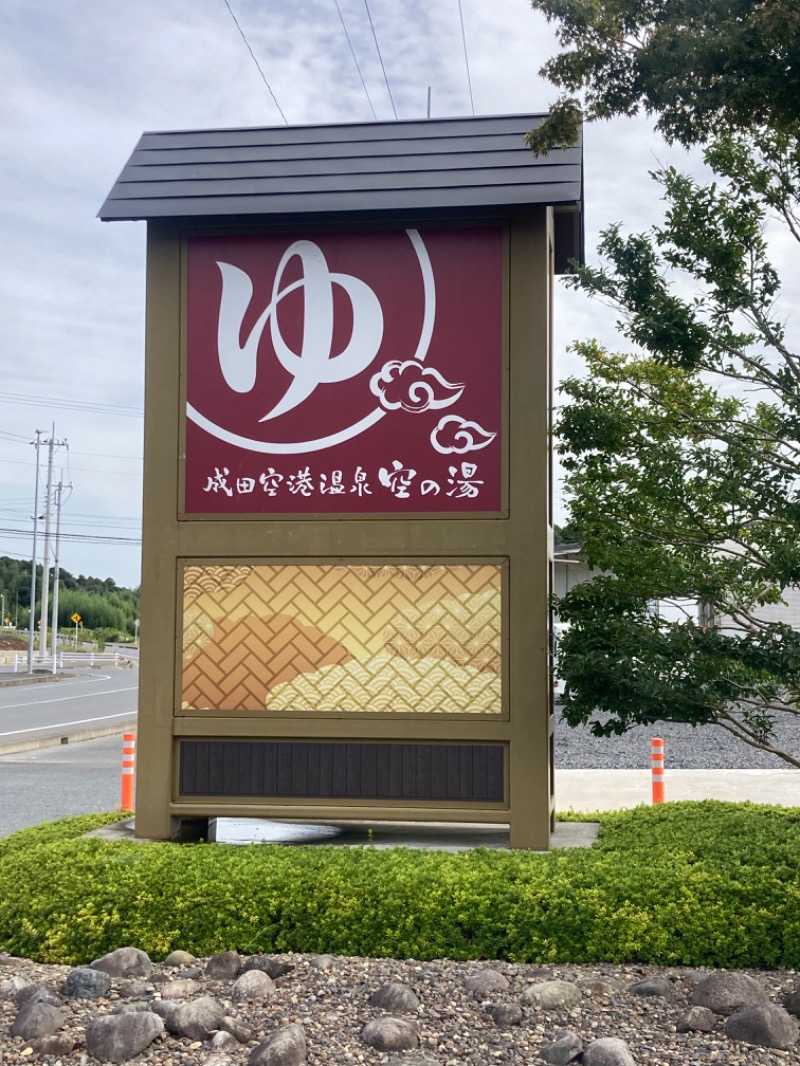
x=692, y=883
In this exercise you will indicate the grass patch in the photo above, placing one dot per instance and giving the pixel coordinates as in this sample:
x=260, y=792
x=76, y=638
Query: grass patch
x=680, y=884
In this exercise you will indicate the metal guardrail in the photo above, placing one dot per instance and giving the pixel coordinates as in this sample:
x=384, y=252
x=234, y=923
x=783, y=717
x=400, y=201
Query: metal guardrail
x=64, y=658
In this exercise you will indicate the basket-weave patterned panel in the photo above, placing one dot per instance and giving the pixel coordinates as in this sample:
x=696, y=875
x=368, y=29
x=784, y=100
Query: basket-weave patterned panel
x=404, y=639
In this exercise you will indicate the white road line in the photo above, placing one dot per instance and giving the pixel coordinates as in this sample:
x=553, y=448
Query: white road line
x=61, y=699
x=63, y=725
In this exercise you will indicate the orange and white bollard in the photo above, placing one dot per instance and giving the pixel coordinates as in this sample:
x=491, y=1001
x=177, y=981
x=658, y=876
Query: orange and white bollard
x=657, y=764
x=128, y=771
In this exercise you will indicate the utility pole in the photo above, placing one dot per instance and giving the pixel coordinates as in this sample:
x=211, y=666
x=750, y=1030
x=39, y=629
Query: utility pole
x=51, y=445
x=46, y=552
x=56, y=567
x=37, y=442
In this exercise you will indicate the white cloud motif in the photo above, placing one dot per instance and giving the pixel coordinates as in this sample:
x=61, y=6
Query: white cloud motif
x=412, y=387
x=455, y=436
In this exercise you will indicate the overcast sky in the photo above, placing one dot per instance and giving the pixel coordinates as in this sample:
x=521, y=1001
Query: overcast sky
x=84, y=78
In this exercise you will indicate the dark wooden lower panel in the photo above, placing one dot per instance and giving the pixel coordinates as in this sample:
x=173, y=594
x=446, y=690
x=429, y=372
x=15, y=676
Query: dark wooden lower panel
x=467, y=773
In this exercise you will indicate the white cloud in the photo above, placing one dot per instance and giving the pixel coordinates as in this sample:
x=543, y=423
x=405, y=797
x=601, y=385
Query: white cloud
x=84, y=78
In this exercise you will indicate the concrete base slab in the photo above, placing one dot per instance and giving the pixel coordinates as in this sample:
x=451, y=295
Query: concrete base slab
x=436, y=836
x=576, y=790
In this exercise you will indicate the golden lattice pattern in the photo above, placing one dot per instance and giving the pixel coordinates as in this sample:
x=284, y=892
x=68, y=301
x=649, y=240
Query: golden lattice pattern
x=403, y=639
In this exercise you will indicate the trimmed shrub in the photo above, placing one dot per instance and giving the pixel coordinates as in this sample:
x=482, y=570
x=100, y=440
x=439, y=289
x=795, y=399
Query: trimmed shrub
x=698, y=884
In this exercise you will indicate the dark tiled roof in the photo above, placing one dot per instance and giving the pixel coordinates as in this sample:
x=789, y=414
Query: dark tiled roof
x=446, y=166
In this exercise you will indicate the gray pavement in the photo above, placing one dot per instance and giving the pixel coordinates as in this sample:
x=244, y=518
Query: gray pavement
x=65, y=708
x=84, y=777
x=80, y=775
x=57, y=782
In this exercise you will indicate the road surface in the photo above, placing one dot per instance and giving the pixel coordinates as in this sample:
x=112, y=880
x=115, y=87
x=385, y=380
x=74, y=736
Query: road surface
x=97, y=703
x=52, y=783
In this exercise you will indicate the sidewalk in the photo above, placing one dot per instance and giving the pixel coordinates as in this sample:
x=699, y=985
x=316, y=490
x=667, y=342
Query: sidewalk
x=609, y=790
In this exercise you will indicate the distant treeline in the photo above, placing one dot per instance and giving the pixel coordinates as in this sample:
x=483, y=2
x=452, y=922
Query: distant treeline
x=100, y=604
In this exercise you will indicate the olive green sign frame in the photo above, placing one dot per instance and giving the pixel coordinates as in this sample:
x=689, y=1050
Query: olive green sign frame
x=518, y=538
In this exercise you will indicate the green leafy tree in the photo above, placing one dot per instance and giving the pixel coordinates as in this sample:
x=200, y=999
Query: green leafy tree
x=682, y=461
x=697, y=66
x=682, y=457
x=101, y=604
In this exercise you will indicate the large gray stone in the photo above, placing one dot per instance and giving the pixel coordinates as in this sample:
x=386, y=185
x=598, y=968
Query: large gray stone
x=180, y=988
x=132, y=1006
x=242, y=1032
x=255, y=986
x=486, y=983
x=696, y=1020
x=11, y=986
x=551, y=995
x=323, y=962
x=608, y=1051
x=56, y=1046
x=224, y=967
x=179, y=958
x=766, y=1025
x=566, y=1048
x=725, y=993
x=792, y=1002
x=504, y=1015
x=84, y=982
x=134, y=988
x=38, y=993
x=391, y=1034
x=119, y=1037
x=395, y=997
x=198, y=1019
x=164, y=1008
x=272, y=967
x=285, y=1047
x=223, y=1041
x=658, y=987
x=124, y=962
x=37, y=1019
x=601, y=986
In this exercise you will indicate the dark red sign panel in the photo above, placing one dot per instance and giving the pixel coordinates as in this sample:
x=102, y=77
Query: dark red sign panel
x=344, y=373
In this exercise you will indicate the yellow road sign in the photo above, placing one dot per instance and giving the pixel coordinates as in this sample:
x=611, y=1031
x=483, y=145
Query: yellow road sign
x=75, y=618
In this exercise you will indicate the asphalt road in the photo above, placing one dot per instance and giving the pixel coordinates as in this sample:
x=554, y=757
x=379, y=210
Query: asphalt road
x=92, y=702
x=52, y=783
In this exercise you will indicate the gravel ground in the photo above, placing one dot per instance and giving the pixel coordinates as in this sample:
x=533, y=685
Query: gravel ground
x=332, y=1004
x=685, y=748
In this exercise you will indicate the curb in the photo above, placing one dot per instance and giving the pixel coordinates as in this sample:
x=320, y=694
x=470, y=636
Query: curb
x=55, y=740
x=30, y=679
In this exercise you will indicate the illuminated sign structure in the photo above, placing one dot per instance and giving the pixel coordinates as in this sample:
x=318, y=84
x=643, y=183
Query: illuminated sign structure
x=346, y=520
x=344, y=373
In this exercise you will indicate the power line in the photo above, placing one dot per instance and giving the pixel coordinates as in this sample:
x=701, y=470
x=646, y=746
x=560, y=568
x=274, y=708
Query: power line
x=466, y=56
x=258, y=65
x=355, y=59
x=107, y=517
x=380, y=57
x=74, y=405
x=16, y=555
x=85, y=538
x=108, y=455
x=84, y=469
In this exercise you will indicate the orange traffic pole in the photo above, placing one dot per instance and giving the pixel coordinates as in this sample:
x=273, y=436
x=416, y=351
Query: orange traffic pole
x=657, y=763
x=128, y=769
